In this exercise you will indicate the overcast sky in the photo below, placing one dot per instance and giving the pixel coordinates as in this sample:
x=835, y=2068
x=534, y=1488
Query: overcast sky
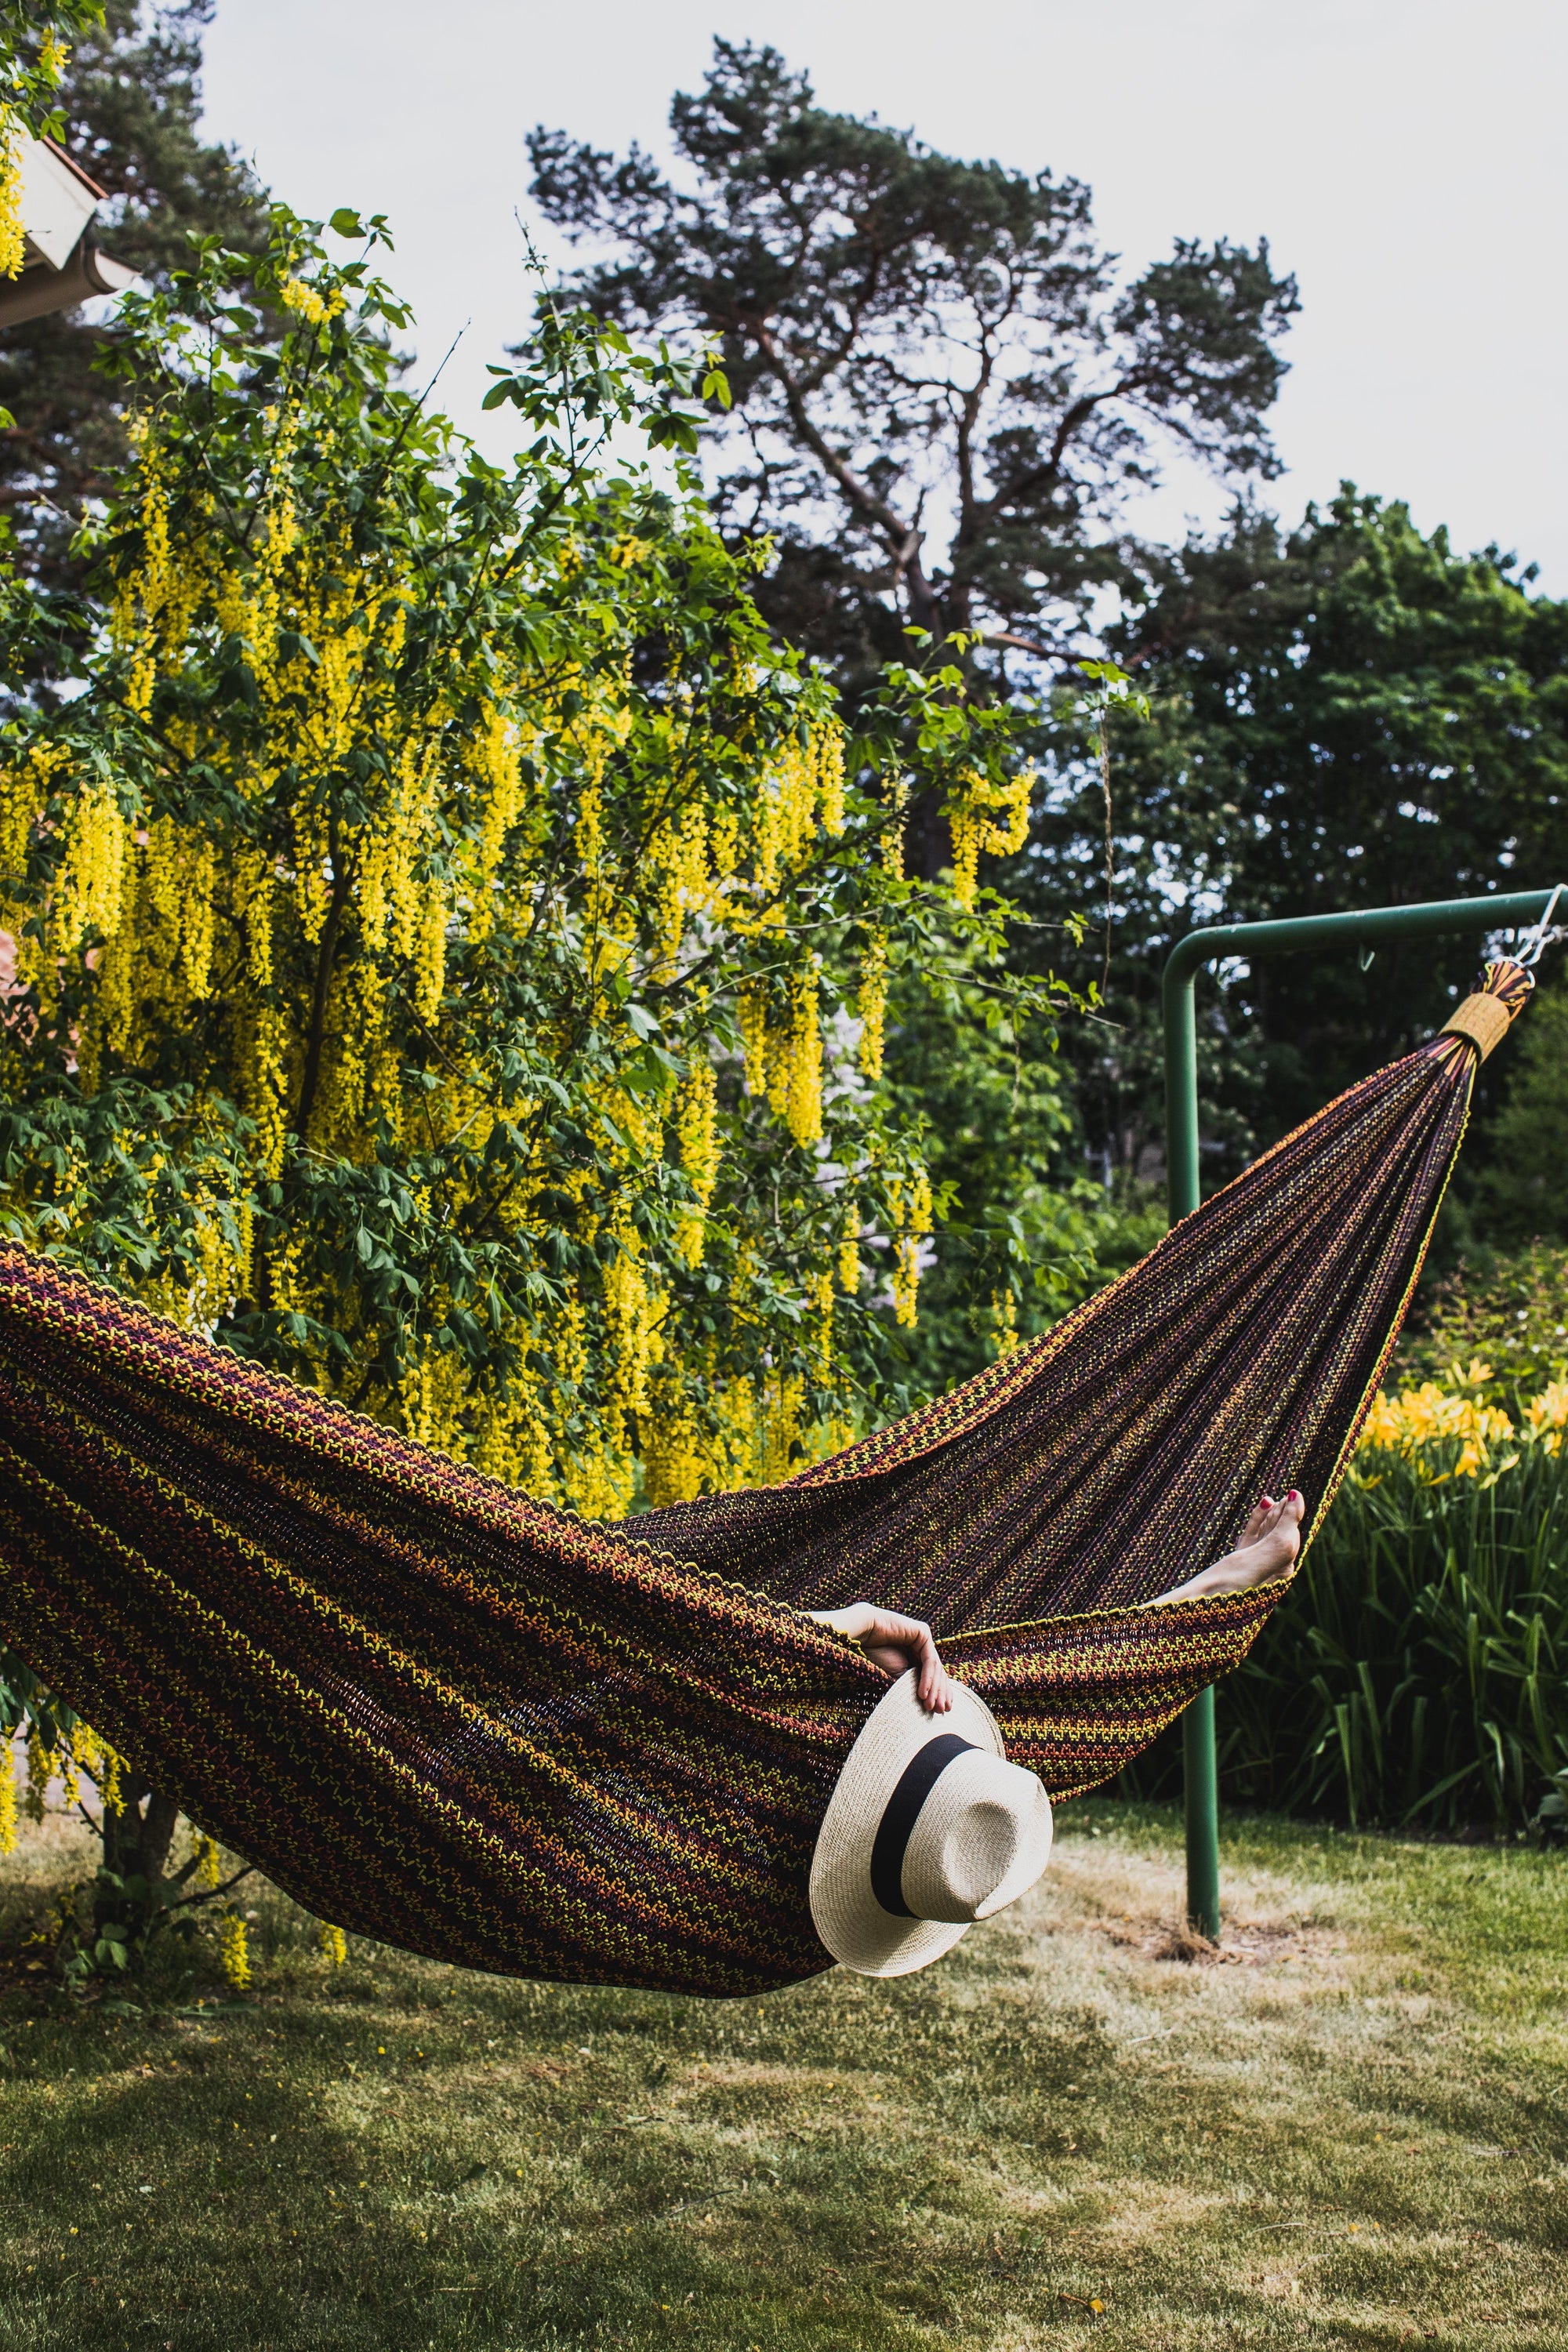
x=1406, y=158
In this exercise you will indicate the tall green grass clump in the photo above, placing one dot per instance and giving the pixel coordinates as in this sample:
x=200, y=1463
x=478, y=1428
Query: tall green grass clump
x=1419, y=1671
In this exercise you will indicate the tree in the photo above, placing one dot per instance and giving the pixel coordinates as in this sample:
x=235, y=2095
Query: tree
x=1016, y=1246
x=126, y=107
x=1348, y=714
x=943, y=393
x=452, y=938
x=1522, y=1195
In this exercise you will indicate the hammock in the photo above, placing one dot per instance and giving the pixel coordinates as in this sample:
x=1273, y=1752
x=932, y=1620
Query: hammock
x=439, y=1713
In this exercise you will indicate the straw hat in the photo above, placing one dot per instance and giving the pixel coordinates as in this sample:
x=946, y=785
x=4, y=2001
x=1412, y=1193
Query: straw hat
x=929, y=1829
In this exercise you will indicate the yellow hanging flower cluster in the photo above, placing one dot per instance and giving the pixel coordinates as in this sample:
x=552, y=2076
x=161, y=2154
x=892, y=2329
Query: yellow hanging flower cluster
x=154, y=608
x=96, y=1757
x=27, y=785
x=912, y=1210
x=676, y=1457
x=800, y=1076
x=784, y=1055
x=308, y=304
x=684, y=885
x=775, y=1428
x=628, y=1319
x=234, y=1945
x=209, y=1863
x=334, y=1944
x=89, y=893
x=873, y=1005
x=1003, y=1323
x=849, y=1250
x=987, y=815
x=42, y=1758
x=434, y=1400
x=696, y=1128
x=13, y=236
x=8, y=1812
x=751, y=1020
x=24, y=788
x=806, y=780
x=495, y=757
x=819, y=1298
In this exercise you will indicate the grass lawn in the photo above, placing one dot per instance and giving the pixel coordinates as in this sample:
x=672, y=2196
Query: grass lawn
x=1348, y=2129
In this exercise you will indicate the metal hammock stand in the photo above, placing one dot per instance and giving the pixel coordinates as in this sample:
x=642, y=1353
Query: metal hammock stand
x=1293, y=935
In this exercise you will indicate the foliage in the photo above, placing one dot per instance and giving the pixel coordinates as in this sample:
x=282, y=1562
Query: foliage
x=1017, y=1246
x=1508, y=1322
x=907, y=336
x=1521, y=1195
x=1418, y=1670
x=451, y=941
x=943, y=393
x=448, y=930
x=136, y=1900
x=129, y=108
x=34, y=53
x=1351, y=714
x=33, y=56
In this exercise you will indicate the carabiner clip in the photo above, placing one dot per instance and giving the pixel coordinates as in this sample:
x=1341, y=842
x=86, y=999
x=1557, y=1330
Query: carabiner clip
x=1530, y=951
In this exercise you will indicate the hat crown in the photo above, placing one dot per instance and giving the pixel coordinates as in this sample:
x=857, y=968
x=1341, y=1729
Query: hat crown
x=929, y=1829
x=966, y=1840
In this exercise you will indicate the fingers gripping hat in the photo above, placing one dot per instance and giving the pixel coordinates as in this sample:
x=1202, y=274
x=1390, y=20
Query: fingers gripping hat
x=929, y=1829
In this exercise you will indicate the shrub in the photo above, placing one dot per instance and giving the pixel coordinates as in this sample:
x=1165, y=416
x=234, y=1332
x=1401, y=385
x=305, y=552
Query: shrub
x=1419, y=1671
x=1513, y=1315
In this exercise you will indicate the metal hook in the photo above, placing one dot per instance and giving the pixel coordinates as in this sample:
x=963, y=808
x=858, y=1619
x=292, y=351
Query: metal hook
x=1530, y=952
x=1363, y=956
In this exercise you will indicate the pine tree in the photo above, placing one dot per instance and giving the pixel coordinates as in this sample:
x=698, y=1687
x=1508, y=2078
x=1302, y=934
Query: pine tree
x=944, y=389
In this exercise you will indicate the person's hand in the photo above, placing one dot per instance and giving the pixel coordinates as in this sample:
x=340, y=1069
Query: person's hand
x=895, y=1643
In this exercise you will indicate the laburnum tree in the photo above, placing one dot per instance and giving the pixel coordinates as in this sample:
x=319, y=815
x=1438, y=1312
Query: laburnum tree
x=452, y=937
x=942, y=389
x=35, y=49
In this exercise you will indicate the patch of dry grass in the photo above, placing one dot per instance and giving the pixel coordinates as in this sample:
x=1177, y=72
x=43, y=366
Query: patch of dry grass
x=1342, y=2126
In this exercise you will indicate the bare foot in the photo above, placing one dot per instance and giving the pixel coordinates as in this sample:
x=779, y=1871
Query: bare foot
x=1270, y=1542
x=895, y=1643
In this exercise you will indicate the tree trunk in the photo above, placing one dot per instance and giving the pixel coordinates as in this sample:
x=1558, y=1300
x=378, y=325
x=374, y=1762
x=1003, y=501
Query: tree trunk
x=135, y=1845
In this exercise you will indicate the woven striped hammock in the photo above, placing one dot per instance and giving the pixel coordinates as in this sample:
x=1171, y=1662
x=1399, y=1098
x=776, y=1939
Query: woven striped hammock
x=442, y=1713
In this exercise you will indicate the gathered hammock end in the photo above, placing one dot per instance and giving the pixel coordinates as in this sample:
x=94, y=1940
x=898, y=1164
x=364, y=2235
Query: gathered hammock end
x=441, y=1713
x=1488, y=1015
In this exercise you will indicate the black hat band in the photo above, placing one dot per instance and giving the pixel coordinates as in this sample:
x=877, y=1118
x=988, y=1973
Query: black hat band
x=918, y=1778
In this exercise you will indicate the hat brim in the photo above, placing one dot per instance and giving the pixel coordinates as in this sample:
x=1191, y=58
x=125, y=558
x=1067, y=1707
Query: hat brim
x=844, y=1911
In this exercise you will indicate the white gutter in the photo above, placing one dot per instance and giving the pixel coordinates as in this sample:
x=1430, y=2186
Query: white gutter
x=64, y=266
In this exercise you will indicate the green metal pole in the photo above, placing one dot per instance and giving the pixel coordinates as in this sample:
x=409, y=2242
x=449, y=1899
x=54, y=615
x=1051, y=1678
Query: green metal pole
x=1514, y=910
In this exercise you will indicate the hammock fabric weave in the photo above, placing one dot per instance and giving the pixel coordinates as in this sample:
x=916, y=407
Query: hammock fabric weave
x=442, y=1713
